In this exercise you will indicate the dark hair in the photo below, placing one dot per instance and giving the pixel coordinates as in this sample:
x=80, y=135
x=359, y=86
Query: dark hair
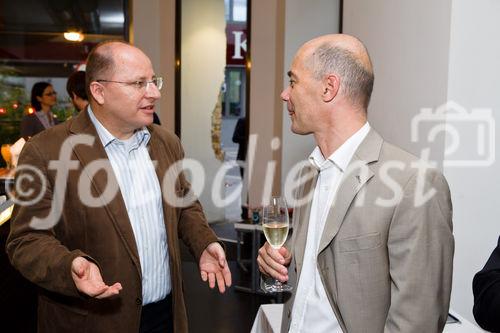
x=76, y=85
x=357, y=80
x=99, y=63
x=37, y=91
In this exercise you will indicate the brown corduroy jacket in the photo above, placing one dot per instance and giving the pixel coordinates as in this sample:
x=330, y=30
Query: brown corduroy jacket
x=102, y=233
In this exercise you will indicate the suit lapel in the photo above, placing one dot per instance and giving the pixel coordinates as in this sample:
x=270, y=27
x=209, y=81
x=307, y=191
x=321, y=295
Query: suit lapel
x=301, y=224
x=116, y=208
x=357, y=174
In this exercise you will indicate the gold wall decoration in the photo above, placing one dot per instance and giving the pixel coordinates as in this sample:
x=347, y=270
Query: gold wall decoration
x=216, y=128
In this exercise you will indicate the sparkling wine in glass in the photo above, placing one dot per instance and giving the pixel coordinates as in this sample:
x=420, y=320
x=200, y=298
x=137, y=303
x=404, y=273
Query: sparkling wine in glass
x=275, y=224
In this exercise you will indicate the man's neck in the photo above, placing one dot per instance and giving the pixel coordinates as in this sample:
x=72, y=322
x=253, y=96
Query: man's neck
x=333, y=137
x=119, y=132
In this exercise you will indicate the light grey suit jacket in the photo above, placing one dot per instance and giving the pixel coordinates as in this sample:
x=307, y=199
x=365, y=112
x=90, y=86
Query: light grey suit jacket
x=386, y=267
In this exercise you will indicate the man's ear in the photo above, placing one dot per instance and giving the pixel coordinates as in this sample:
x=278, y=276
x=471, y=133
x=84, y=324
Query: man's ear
x=331, y=87
x=97, y=91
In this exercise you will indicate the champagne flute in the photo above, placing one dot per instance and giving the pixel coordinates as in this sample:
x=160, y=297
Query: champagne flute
x=275, y=223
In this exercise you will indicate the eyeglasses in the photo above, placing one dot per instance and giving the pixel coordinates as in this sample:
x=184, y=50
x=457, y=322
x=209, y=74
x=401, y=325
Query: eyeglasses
x=53, y=93
x=140, y=85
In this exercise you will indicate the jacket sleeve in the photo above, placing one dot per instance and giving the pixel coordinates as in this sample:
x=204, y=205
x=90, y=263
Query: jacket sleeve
x=38, y=254
x=486, y=288
x=421, y=246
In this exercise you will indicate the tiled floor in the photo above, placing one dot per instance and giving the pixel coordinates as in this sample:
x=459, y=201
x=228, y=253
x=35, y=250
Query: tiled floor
x=211, y=312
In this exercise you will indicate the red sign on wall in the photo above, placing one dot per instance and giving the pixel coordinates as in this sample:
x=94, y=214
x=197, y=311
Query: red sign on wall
x=236, y=36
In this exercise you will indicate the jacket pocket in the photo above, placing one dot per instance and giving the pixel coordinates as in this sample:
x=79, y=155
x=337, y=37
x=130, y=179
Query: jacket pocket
x=56, y=317
x=359, y=243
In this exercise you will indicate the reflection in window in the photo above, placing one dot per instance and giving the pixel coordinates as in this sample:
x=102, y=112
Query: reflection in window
x=234, y=128
x=233, y=101
x=236, y=10
x=235, y=75
x=240, y=10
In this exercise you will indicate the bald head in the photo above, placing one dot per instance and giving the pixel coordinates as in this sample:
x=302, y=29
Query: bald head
x=102, y=60
x=345, y=56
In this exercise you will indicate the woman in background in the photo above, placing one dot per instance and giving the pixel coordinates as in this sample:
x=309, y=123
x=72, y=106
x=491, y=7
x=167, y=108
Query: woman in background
x=43, y=98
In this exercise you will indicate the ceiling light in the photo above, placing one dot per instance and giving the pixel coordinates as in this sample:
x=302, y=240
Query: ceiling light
x=74, y=36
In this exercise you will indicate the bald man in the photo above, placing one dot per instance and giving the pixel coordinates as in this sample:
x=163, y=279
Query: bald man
x=368, y=253
x=99, y=231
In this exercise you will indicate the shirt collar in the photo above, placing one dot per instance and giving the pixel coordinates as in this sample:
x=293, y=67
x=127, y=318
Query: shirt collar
x=140, y=137
x=343, y=155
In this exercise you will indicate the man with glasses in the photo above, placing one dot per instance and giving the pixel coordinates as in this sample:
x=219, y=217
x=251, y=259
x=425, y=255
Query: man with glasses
x=112, y=263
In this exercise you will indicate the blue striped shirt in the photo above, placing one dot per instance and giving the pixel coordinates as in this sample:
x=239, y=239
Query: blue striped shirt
x=141, y=192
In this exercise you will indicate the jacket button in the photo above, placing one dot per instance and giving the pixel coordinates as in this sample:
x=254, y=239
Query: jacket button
x=138, y=301
x=289, y=313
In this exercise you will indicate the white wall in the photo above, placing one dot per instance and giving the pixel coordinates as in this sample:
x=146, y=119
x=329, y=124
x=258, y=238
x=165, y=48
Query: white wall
x=203, y=55
x=153, y=31
x=426, y=53
x=408, y=42
x=474, y=70
x=267, y=42
x=304, y=21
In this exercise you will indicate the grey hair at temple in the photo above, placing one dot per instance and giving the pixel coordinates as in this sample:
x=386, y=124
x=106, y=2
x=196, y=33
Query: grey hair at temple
x=357, y=81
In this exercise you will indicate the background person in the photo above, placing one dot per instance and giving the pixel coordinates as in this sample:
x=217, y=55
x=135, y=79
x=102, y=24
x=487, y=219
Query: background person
x=75, y=86
x=240, y=137
x=43, y=98
x=486, y=288
x=362, y=258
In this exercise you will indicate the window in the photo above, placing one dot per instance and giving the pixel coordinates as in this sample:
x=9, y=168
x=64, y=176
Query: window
x=236, y=10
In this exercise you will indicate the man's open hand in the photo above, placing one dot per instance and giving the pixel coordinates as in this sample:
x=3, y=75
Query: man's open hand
x=88, y=279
